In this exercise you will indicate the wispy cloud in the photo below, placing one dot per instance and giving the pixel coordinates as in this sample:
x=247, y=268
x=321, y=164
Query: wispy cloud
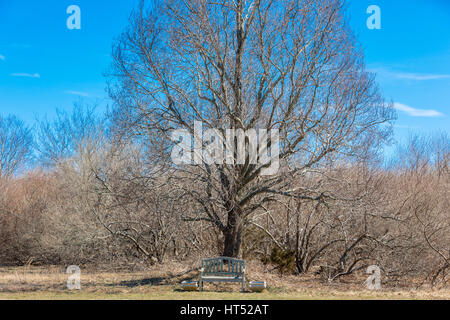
x=393, y=74
x=26, y=75
x=417, y=112
x=401, y=126
x=2, y=57
x=17, y=45
x=78, y=93
x=421, y=77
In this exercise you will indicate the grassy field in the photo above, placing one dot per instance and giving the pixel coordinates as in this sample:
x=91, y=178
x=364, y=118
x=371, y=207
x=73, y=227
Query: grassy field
x=50, y=283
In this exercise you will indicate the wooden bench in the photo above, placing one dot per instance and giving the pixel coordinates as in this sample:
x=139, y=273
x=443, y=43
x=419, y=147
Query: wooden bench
x=222, y=269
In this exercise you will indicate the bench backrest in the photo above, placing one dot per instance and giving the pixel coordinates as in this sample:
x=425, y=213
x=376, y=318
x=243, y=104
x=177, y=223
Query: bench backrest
x=223, y=266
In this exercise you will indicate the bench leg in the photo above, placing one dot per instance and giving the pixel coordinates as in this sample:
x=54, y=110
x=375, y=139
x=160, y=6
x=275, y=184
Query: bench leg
x=201, y=285
x=243, y=284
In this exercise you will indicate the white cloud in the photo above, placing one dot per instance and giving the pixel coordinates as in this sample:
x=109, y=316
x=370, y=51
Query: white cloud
x=421, y=77
x=2, y=57
x=417, y=112
x=78, y=93
x=26, y=75
x=18, y=45
x=384, y=72
x=402, y=126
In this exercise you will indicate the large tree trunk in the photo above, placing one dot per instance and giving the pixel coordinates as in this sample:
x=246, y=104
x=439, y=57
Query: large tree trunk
x=233, y=235
x=233, y=230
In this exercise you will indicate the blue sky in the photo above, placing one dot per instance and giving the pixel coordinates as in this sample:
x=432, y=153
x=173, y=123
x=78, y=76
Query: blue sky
x=44, y=65
x=411, y=56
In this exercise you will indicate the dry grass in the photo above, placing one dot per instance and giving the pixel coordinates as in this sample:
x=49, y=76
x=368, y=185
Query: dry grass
x=156, y=283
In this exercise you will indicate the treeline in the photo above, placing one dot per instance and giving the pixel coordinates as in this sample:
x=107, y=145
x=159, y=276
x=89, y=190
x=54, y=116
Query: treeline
x=77, y=190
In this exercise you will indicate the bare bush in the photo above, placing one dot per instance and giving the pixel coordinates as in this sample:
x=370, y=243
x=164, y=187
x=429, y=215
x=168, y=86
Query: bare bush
x=16, y=142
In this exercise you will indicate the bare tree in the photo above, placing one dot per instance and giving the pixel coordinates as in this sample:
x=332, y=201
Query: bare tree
x=68, y=133
x=287, y=65
x=16, y=142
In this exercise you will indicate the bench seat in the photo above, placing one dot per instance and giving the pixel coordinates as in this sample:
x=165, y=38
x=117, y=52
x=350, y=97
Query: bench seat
x=221, y=278
x=222, y=269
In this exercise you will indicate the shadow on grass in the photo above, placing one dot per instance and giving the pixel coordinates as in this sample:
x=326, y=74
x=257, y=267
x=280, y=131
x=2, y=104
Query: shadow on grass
x=155, y=281
x=140, y=282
